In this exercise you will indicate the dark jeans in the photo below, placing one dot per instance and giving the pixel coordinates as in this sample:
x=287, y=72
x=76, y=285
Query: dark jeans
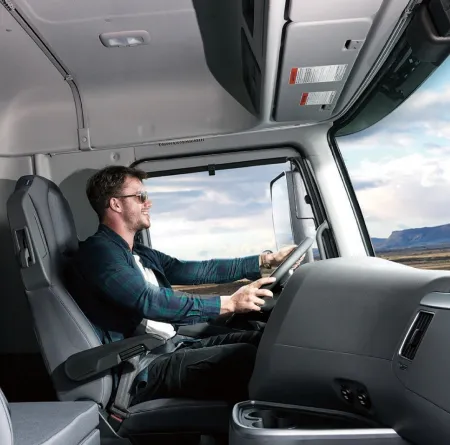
x=214, y=368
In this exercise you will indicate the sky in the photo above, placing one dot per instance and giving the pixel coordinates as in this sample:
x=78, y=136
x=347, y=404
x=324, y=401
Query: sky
x=400, y=169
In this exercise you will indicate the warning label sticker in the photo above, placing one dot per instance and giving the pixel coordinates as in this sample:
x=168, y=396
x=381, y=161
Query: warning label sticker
x=317, y=74
x=318, y=98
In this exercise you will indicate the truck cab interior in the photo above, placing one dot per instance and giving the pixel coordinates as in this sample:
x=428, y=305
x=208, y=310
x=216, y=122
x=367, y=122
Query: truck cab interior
x=207, y=97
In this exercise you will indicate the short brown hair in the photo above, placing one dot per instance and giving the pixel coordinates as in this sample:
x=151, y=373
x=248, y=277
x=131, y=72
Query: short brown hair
x=107, y=183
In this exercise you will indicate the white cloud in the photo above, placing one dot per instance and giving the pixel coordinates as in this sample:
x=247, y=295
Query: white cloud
x=384, y=137
x=152, y=188
x=230, y=237
x=428, y=98
x=425, y=113
x=439, y=129
x=438, y=150
x=412, y=191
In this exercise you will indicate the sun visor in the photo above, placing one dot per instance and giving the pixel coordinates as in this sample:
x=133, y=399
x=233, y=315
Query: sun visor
x=317, y=60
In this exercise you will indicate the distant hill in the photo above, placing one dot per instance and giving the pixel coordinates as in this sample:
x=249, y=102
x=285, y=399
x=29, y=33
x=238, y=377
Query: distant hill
x=425, y=237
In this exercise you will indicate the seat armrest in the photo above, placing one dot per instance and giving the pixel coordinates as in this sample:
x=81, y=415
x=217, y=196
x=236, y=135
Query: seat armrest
x=91, y=362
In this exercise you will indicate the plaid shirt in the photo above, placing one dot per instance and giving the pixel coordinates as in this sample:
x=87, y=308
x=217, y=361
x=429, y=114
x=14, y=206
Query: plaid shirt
x=107, y=284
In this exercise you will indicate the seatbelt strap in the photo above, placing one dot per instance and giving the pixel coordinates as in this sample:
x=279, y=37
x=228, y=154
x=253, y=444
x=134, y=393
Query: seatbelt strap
x=123, y=394
x=132, y=368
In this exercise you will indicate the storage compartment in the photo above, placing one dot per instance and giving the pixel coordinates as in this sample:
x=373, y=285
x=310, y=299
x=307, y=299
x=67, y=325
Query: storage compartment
x=264, y=423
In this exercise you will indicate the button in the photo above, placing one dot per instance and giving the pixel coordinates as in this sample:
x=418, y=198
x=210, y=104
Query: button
x=363, y=400
x=347, y=394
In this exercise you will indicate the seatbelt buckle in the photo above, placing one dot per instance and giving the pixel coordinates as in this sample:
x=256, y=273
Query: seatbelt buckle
x=117, y=416
x=115, y=421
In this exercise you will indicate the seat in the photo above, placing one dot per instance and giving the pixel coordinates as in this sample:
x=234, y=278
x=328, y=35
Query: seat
x=48, y=423
x=44, y=236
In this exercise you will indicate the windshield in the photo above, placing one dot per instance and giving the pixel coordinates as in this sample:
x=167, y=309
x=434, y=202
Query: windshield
x=400, y=170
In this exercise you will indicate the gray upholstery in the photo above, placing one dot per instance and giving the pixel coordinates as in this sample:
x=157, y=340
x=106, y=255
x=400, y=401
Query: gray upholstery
x=38, y=206
x=6, y=430
x=48, y=423
x=55, y=423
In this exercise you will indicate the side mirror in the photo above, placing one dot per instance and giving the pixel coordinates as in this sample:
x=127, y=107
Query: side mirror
x=292, y=215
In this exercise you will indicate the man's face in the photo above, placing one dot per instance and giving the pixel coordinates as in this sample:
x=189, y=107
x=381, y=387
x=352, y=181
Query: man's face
x=134, y=212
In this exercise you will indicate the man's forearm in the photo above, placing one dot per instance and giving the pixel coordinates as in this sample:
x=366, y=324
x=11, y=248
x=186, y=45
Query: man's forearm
x=172, y=306
x=215, y=271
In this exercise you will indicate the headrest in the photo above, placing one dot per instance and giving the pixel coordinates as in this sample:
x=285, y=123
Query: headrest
x=48, y=199
x=43, y=229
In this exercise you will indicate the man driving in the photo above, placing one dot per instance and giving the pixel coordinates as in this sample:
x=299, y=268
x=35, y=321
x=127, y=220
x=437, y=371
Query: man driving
x=122, y=286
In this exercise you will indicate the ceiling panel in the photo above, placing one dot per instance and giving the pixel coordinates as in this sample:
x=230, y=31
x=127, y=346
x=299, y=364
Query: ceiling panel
x=167, y=89
x=139, y=94
x=37, y=112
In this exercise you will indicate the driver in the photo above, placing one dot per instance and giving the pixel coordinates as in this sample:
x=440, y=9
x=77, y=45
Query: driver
x=124, y=287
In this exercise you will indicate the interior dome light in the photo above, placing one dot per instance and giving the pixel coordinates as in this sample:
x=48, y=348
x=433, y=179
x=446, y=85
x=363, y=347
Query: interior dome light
x=124, y=39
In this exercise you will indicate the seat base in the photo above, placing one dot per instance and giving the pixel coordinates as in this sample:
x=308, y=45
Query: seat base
x=55, y=423
x=174, y=416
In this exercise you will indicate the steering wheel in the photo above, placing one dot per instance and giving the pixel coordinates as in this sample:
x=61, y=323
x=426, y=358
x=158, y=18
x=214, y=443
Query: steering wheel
x=281, y=272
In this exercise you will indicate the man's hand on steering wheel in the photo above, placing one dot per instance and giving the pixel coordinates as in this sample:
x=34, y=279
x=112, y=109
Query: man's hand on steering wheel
x=258, y=296
x=282, y=272
x=276, y=258
x=247, y=298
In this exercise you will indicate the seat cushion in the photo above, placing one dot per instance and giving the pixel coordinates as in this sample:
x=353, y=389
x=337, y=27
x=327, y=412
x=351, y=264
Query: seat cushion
x=178, y=415
x=55, y=423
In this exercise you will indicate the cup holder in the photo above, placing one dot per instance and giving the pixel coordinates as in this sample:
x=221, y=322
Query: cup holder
x=257, y=424
x=269, y=419
x=252, y=415
x=280, y=418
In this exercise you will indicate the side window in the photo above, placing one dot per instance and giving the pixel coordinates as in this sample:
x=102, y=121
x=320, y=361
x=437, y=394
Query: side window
x=400, y=169
x=197, y=216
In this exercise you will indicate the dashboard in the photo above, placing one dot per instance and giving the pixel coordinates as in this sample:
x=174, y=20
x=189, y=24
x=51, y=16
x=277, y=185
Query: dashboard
x=365, y=336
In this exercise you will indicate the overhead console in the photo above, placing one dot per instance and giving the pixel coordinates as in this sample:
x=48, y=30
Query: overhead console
x=320, y=47
x=289, y=61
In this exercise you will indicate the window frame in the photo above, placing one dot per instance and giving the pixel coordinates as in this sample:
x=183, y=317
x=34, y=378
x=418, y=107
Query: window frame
x=173, y=165
x=353, y=199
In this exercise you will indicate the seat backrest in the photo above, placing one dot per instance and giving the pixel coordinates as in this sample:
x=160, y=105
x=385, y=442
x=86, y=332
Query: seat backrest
x=6, y=431
x=45, y=238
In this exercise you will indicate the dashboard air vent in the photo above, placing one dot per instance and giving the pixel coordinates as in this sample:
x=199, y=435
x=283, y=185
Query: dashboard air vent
x=416, y=334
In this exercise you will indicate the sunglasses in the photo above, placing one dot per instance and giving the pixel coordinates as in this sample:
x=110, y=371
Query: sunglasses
x=143, y=196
